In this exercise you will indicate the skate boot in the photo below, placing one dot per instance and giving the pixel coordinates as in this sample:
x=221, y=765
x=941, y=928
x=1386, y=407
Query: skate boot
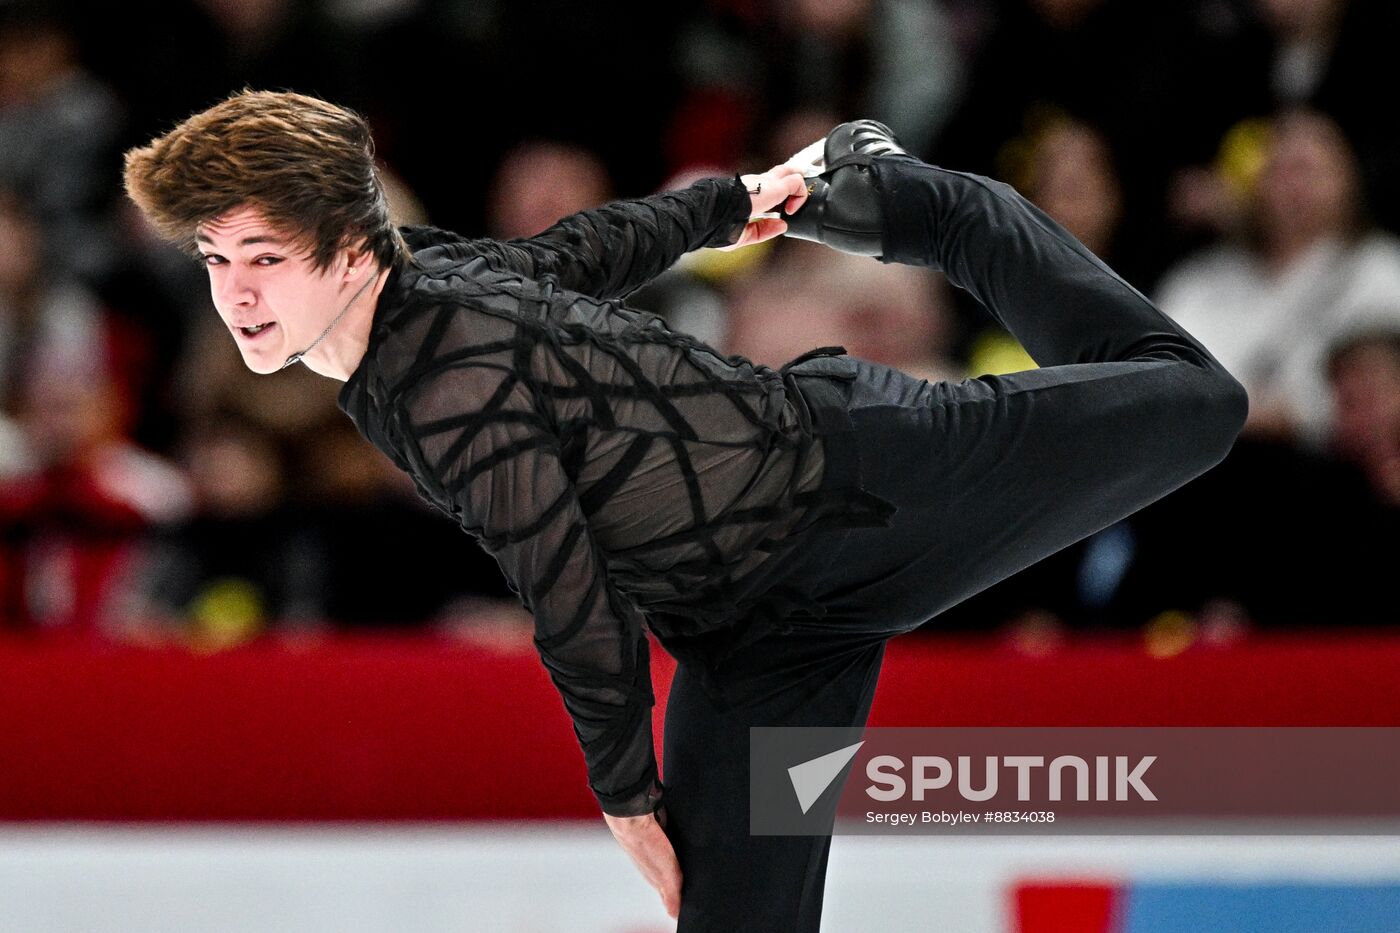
x=843, y=208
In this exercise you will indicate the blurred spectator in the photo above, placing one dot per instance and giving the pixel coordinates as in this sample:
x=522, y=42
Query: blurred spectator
x=893, y=60
x=1363, y=370
x=1305, y=35
x=1065, y=168
x=362, y=523
x=747, y=66
x=540, y=182
x=494, y=73
x=59, y=130
x=232, y=566
x=154, y=292
x=1336, y=55
x=248, y=560
x=71, y=521
x=1161, y=82
x=49, y=321
x=1208, y=202
x=1309, y=268
x=813, y=296
x=1068, y=172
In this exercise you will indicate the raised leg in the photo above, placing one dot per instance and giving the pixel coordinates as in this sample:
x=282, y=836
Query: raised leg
x=995, y=473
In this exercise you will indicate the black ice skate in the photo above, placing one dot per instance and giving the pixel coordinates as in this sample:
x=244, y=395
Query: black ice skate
x=843, y=209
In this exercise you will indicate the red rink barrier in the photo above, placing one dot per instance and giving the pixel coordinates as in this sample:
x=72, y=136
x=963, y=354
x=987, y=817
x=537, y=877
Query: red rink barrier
x=420, y=728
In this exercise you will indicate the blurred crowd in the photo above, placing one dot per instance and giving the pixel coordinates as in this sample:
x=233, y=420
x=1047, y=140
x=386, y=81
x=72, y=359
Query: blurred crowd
x=1235, y=160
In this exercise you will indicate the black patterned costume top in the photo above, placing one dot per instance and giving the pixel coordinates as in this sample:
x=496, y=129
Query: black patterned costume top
x=621, y=473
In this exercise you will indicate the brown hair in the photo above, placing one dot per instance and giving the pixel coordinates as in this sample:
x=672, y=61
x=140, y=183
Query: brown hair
x=306, y=164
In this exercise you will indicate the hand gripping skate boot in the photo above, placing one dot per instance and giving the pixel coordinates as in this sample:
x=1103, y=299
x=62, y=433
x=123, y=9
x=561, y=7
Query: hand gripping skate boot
x=843, y=208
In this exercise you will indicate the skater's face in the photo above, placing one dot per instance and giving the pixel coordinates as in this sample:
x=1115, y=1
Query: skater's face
x=266, y=290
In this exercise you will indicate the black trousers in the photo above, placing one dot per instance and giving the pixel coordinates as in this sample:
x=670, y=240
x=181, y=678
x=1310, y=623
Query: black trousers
x=988, y=475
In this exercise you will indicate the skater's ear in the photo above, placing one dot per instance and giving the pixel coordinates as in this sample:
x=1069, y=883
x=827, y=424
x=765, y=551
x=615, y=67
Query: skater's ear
x=358, y=264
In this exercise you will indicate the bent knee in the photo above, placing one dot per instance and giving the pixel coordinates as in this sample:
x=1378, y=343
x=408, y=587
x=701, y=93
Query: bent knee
x=1218, y=404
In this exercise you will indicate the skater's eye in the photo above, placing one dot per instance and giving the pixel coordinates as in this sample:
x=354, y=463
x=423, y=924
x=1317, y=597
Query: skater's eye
x=214, y=259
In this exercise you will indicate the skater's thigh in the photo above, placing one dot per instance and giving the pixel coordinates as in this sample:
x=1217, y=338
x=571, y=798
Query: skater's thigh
x=783, y=679
x=990, y=475
x=732, y=880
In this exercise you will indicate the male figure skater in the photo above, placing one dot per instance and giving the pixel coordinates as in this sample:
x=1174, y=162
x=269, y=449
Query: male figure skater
x=773, y=528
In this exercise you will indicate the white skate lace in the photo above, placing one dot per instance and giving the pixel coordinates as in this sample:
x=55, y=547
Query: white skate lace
x=810, y=160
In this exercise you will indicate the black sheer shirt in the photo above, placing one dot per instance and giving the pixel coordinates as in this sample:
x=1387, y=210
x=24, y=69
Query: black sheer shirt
x=622, y=474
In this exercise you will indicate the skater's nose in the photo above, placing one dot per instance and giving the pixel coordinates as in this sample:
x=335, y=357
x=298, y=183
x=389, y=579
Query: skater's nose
x=233, y=288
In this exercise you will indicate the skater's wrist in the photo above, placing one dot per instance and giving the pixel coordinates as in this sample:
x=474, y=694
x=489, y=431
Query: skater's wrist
x=629, y=825
x=639, y=803
x=733, y=210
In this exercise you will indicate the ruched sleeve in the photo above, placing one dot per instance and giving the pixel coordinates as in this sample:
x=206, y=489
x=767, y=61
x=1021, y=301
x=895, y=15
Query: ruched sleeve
x=612, y=250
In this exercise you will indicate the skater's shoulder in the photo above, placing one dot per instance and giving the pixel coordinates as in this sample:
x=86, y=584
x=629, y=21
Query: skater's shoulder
x=435, y=251
x=443, y=267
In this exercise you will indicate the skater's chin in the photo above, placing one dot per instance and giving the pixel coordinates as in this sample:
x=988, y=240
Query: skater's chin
x=261, y=363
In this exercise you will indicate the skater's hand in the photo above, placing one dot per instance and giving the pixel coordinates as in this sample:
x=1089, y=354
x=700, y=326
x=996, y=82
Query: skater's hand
x=780, y=185
x=645, y=842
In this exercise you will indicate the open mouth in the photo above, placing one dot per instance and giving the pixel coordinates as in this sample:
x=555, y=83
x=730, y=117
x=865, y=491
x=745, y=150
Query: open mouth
x=256, y=329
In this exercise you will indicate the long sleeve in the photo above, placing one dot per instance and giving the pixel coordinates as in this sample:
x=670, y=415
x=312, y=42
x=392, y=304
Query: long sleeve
x=612, y=250
x=481, y=435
